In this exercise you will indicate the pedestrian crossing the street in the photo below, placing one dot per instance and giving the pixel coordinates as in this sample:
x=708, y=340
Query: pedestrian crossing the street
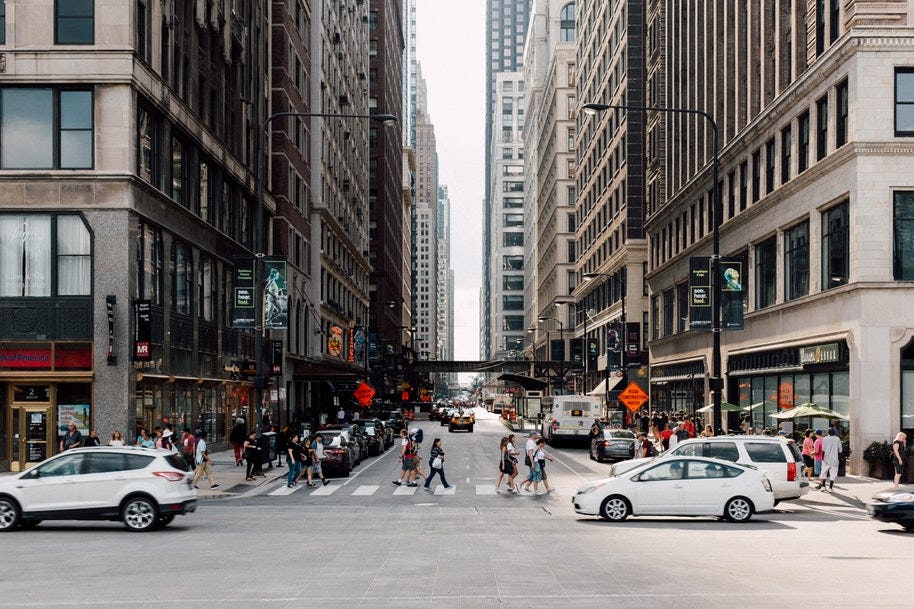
x=368, y=490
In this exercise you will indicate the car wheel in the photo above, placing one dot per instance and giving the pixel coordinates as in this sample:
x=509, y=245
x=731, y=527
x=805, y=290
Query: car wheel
x=908, y=526
x=738, y=509
x=450, y=429
x=9, y=514
x=471, y=429
x=615, y=508
x=164, y=521
x=140, y=514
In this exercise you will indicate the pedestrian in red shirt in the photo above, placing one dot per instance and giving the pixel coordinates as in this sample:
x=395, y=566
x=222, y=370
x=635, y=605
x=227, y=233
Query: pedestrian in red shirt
x=665, y=436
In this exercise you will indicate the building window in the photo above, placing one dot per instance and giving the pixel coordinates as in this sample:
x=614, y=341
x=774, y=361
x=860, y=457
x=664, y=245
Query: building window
x=571, y=250
x=821, y=128
x=149, y=261
x=143, y=33
x=766, y=265
x=74, y=22
x=513, y=282
x=835, y=24
x=769, y=166
x=820, y=27
x=27, y=253
x=178, y=171
x=566, y=23
x=668, y=312
x=731, y=201
x=756, y=175
x=835, y=245
x=903, y=217
x=45, y=129
x=803, y=142
x=513, y=239
x=513, y=220
x=841, y=111
x=682, y=307
x=206, y=289
x=743, y=170
x=74, y=257
x=512, y=302
x=655, y=316
x=796, y=261
x=513, y=263
x=148, y=146
x=904, y=102
x=182, y=278
x=513, y=323
x=512, y=203
x=786, y=149
x=2, y=21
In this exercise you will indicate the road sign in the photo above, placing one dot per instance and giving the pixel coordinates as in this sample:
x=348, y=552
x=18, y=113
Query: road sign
x=633, y=397
x=363, y=394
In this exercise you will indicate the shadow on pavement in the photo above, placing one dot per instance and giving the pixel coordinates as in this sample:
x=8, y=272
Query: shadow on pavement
x=757, y=524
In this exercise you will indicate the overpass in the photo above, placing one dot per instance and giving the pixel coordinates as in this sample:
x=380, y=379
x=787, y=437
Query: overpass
x=540, y=368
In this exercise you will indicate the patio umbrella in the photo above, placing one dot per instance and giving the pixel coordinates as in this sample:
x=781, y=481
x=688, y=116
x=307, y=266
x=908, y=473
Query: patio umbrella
x=756, y=406
x=808, y=410
x=724, y=407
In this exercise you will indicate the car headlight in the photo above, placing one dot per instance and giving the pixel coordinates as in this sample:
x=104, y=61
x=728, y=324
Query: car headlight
x=590, y=488
x=901, y=498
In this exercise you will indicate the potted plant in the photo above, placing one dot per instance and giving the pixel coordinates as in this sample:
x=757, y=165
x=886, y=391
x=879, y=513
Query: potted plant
x=879, y=457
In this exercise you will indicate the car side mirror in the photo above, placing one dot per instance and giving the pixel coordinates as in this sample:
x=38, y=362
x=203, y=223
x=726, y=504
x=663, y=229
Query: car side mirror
x=33, y=474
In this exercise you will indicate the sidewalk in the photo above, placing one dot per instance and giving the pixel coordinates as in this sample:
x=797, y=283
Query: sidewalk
x=849, y=490
x=230, y=477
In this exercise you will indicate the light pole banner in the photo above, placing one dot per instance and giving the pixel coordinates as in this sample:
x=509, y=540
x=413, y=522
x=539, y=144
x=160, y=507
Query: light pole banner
x=731, y=293
x=243, y=298
x=275, y=295
x=699, y=293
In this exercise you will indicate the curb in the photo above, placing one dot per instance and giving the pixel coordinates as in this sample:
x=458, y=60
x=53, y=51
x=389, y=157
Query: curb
x=250, y=493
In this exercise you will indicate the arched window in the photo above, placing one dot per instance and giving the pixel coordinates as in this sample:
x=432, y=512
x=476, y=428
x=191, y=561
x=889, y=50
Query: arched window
x=566, y=23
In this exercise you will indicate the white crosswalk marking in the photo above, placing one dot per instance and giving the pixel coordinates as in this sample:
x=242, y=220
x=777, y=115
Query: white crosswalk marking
x=285, y=490
x=326, y=490
x=365, y=490
x=440, y=490
x=405, y=490
x=485, y=489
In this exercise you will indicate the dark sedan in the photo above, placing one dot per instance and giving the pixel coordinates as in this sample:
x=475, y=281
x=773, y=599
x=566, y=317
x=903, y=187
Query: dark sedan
x=339, y=453
x=394, y=420
x=378, y=436
x=894, y=506
x=614, y=445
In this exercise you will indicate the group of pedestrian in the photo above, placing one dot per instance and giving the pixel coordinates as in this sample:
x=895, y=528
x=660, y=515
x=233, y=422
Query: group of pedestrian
x=411, y=462
x=535, y=459
x=304, y=459
x=821, y=456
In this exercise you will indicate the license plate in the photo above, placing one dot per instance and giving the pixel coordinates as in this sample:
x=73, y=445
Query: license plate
x=575, y=413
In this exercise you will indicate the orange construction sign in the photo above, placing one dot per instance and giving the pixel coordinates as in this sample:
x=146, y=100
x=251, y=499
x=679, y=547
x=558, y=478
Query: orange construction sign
x=364, y=393
x=633, y=397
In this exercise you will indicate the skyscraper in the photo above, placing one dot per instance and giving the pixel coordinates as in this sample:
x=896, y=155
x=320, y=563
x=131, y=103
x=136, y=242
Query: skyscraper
x=506, y=32
x=425, y=238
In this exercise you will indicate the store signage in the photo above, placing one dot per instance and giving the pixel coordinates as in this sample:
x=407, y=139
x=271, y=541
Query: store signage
x=820, y=354
x=632, y=339
x=335, y=341
x=110, y=301
x=699, y=293
x=359, y=344
x=275, y=295
x=243, y=300
x=142, y=329
x=37, y=358
x=78, y=414
x=276, y=357
x=351, y=356
x=31, y=393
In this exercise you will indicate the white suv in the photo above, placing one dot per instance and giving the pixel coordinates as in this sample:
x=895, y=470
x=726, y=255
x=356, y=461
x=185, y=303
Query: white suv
x=143, y=487
x=780, y=459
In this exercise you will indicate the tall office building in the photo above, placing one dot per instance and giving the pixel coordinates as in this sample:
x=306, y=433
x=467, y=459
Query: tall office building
x=127, y=193
x=445, y=281
x=549, y=146
x=425, y=235
x=506, y=30
x=812, y=105
x=410, y=64
x=609, y=214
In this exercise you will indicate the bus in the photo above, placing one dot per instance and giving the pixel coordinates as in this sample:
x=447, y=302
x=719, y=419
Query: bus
x=570, y=417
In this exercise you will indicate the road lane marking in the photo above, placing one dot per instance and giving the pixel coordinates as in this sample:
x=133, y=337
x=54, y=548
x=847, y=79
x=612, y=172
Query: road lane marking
x=328, y=489
x=352, y=477
x=486, y=489
x=440, y=490
x=406, y=490
x=285, y=490
x=365, y=489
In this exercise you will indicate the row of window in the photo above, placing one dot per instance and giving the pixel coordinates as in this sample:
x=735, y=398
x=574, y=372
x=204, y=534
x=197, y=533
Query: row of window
x=44, y=255
x=46, y=128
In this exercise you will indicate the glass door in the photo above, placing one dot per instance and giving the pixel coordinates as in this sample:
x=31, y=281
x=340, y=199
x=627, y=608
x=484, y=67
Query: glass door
x=31, y=442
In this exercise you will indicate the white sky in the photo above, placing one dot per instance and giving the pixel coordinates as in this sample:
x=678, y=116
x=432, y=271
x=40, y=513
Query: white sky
x=450, y=41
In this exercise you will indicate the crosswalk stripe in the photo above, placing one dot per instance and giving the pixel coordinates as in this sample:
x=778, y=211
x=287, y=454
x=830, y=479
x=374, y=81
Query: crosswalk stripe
x=440, y=490
x=405, y=490
x=485, y=489
x=326, y=490
x=365, y=490
x=284, y=490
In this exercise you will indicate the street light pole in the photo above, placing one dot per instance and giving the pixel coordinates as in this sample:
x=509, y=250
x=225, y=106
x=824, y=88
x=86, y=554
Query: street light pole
x=579, y=308
x=259, y=240
x=717, y=382
x=621, y=283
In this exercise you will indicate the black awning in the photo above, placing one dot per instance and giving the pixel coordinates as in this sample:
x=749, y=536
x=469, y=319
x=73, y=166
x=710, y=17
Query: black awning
x=527, y=382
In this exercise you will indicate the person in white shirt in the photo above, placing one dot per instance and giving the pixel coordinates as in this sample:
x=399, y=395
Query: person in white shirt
x=831, y=450
x=204, y=463
x=341, y=415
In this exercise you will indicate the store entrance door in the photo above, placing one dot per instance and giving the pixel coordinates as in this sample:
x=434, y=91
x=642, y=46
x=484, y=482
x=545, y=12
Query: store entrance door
x=32, y=441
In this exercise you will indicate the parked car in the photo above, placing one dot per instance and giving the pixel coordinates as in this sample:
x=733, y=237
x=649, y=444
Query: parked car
x=394, y=419
x=679, y=487
x=142, y=487
x=339, y=453
x=356, y=437
x=378, y=436
x=780, y=459
x=462, y=419
x=614, y=444
x=894, y=506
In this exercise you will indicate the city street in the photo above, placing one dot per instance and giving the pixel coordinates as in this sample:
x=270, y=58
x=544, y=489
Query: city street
x=362, y=542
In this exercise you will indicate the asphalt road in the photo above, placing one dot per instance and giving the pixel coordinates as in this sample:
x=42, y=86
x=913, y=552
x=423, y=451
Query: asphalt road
x=363, y=545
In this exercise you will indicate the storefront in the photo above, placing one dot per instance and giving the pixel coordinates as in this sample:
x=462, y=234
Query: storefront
x=771, y=381
x=44, y=386
x=678, y=387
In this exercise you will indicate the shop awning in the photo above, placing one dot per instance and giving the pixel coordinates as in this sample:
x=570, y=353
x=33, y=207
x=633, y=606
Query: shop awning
x=527, y=382
x=600, y=390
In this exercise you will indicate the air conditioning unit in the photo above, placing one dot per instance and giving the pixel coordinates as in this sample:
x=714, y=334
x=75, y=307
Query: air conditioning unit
x=534, y=394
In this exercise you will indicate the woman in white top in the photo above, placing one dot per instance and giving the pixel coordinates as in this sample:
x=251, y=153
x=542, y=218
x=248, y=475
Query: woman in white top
x=116, y=439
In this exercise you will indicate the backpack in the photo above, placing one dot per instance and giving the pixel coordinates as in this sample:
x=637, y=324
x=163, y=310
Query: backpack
x=651, y=450
x=418, y=436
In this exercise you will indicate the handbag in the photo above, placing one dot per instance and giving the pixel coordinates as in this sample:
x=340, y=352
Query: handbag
x=437, y=462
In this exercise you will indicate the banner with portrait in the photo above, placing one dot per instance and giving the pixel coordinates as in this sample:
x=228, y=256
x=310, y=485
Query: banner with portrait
x=275, y=295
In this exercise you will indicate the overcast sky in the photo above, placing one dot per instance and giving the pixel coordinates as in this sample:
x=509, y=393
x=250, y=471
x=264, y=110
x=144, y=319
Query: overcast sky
x=450, y=39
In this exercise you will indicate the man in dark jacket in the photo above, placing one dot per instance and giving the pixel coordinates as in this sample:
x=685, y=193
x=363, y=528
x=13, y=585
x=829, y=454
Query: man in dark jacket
x=239, y=433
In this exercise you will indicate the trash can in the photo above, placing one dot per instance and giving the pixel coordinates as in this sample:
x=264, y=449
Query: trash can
x=271, y=438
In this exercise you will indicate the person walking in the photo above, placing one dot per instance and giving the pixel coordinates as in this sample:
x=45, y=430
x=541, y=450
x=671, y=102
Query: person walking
x=317, y=453
x=536, y=471
x=294, y=451
x=541, y=458
x=204, y=462
x=251, y=456
x=529, y=449
x=504, y=463
x=436, y=464
x=188, y=448
x=807, y=452
x=239, y=433
x=899, y=456
x=817, y=454
x=831, y=457
x=407, y=469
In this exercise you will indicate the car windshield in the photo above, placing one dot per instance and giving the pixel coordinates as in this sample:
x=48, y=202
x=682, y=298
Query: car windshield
x=618, y=433
x=332, y=438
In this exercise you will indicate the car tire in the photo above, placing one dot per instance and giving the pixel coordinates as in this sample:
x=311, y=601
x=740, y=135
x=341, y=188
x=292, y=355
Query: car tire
x=908, y=527
x=450, y=429
x=140, y=513
x=471, y=429
x=164, y=521
x=615, y=508
x=738, y=509
x=592, y=457
x=10, y=514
